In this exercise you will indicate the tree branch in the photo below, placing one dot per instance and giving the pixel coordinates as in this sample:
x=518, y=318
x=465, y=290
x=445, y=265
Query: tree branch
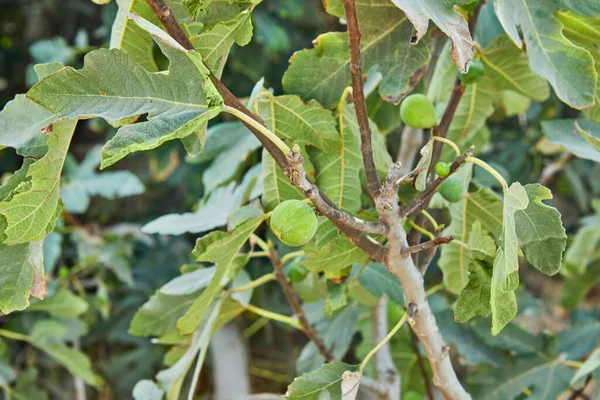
x=426, y=245
x=359, y=98
x=324, y=206
x=290, y=295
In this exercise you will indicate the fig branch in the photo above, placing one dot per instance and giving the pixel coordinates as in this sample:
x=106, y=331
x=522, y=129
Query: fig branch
x=323, y=204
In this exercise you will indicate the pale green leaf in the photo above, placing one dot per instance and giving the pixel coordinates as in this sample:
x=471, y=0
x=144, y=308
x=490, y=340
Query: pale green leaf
x=129, y=37
x=20, y=272
x=505, y=277
x=161, y=312
x=324, y=72
x=423, y=165
x=323, y=383
x=147, y=390
x=576, y=288
x=540, y=232
x=483, y=206
x=63, y=304
x=582, y=248
x=379, y=281
x=481, y=245
x=542, y=379
x=508, y=69
x=177, y=103
x=277, y=186
x=221, y=248
x=34, y=206
x=297, y=122
x=171, y=380
x=568, y=68
x=585, y=32
x=590, y=366
x=21, y=124
x=84, y=182
x=565, y=132
x=337, y=298
x=447, y=19
x=189, y=283
x=338, y=173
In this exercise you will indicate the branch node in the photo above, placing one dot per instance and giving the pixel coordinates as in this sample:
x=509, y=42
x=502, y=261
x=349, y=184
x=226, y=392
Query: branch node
x=412, y=309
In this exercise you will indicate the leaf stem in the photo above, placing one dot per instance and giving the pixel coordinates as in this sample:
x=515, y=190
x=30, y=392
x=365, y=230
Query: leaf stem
x=261, y=243
x=274, y=316
x=259, y=127
x=420, y=229
x=395, y=329
x=431, y=219
x=254, y=254
x=255, y=283
x=490, y=169
x=448, y=142
x=291, y=255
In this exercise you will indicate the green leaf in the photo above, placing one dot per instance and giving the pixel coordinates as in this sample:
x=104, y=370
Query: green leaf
x=84, y=182
x=323, y=383
x=379, y=281
x=483, y=206
x=221, y=248
x=21, y=124
x=215, y=42
x=171, y=380
x=63, y=304
x=514, y=339
x=337, y=298
x=505, y=277
x=277, y=186
x=423, y=165
x=297, y=122
x=448, y=20
x=566, y=133
x=507, y=68
x=76, y=362
x=581, y=250
x=585, y=32
x=578, y=341
x=540, y=232
x=568, y=68
x=338, y=173
x=189, y=282
x=33, y=207
x=544, y=379
x=324, y=72
x=575, y=289
x=481, y=245
x=160, y=314
x=175, y=110
x=474, y=299
x=129, y=37
x=22, y=275
x=147, y=390
x=589, y=367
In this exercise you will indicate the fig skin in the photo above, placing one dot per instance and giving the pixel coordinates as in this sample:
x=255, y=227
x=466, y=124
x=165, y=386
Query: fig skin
x=294, y=222
x=417, y=111
x=451, y=190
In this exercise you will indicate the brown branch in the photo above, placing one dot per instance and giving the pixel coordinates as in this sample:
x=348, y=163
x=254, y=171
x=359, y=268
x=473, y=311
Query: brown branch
x=415, y=346
x=292, y=298
x=358, y=96
x=426, y=245
x=359, y=238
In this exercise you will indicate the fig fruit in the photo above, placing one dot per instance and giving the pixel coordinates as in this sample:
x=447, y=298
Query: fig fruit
x=442, y=169
x=475, y=73
x=293, y=222
x=295, y=271
x=451, y=190
x=417, y=111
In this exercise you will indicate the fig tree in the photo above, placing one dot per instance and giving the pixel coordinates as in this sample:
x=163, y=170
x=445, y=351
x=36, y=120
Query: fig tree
x=417, y=111
x=474, y=74
x=293, y=222
x=451, y=190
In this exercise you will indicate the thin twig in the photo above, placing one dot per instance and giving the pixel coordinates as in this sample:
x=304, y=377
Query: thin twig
x=550, y=170
x=415, y=346
x=426, y=245
x=358, y=95
x=292, y=298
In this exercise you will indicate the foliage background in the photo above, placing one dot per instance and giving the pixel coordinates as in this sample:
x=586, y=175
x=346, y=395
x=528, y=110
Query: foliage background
x=555, y=312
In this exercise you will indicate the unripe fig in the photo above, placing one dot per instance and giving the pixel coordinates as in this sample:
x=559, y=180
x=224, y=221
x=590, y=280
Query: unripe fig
x=417, y=111
x=442, y=169
x=295, y=271
x=475, y=73
x=293, y=222
x=451, y=190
